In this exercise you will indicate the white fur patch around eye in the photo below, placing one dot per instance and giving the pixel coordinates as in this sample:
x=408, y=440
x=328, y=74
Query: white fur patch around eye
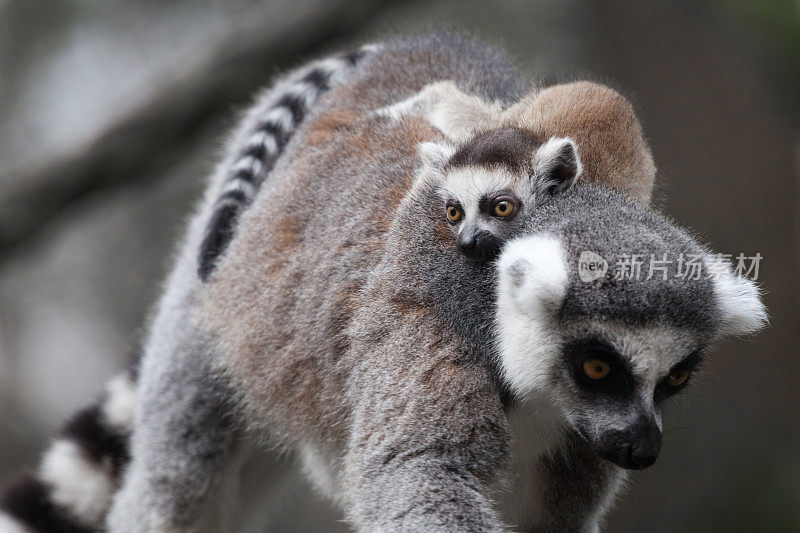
x=470, y=184
x=533, y=280
x=739, y=300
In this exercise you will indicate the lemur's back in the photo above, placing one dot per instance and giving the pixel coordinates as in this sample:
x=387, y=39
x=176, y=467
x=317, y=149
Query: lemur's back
x=405, y=65
x=278, y=291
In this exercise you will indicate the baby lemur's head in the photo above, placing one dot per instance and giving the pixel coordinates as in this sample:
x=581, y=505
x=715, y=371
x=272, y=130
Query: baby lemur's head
x=499, y=163
x=489, y=182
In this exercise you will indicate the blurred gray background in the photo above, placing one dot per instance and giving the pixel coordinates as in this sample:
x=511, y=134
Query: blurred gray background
x=112, y=113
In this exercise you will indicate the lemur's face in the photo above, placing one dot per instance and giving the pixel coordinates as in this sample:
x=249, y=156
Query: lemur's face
x=611, y=381
x=594, y=351
x=484, y=207
x=489, y=183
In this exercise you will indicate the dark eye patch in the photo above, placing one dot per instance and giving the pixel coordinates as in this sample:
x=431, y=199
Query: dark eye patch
x=486, y=202
x=692, y=363
x=452, y=202
x=618, y=384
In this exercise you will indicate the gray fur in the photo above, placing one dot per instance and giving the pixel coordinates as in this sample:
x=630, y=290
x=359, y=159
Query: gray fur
x=342, y=323
x=584, y=220
x=368, y=341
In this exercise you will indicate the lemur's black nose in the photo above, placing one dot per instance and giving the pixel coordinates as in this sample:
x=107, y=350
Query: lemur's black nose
x=644, y=453
x=467, y=246
x=645, y=443
x=634, y=447
x=480, y=245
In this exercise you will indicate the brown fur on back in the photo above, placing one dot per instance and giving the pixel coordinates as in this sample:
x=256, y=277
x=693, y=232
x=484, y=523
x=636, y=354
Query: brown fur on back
x=611, y=143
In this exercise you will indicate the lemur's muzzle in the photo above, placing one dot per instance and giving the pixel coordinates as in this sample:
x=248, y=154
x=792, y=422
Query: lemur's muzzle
x=478, y=245
x=635, y=447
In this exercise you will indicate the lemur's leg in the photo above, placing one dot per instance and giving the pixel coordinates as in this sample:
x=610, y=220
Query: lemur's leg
x=411, y=468
x=452, y=111
x=184, y=434
x=569, y=489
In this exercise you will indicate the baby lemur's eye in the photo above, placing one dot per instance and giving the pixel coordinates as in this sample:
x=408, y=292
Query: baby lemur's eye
x=454, y=214
x=678, y=377
x=596, y=369
x=504, y=207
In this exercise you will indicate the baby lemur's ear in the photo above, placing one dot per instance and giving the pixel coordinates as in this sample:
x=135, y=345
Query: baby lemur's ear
x=556, y=165
x=455, y=113
x=435, y=155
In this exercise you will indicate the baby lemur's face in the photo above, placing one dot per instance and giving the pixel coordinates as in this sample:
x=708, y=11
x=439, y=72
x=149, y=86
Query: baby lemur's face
x=484, y=207
x=491, y=182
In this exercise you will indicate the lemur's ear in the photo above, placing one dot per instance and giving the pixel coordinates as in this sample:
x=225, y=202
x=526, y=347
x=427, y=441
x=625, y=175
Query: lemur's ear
x=457, y=114
x=435, y=155
x=533, y=275
x=739, y=299
x=556, y=165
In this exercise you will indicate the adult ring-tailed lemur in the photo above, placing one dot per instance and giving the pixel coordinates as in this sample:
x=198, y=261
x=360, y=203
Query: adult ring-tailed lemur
x=421, y=389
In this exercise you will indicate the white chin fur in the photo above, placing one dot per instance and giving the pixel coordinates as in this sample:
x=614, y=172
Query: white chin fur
x=739, y=300
x=533, y=279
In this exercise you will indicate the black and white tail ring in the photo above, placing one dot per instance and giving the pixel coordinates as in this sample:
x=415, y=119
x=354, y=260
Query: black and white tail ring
x=277, y=117
x=71, y=490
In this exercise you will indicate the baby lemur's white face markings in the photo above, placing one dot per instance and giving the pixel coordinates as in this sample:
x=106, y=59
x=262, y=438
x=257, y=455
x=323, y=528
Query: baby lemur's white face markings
x=607, y=378
x=480, y=204
x=488, y=181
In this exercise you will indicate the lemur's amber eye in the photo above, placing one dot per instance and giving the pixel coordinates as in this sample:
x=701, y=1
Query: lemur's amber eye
x=453, y=214
x=596, y=369
x=678, y=377
x=504, y=207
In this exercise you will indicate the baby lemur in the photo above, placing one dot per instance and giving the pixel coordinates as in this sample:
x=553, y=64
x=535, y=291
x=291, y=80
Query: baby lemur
x=571, y=130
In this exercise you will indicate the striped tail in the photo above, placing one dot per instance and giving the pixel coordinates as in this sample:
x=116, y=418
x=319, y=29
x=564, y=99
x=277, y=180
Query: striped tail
x=72, y=489
x=278, y=115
